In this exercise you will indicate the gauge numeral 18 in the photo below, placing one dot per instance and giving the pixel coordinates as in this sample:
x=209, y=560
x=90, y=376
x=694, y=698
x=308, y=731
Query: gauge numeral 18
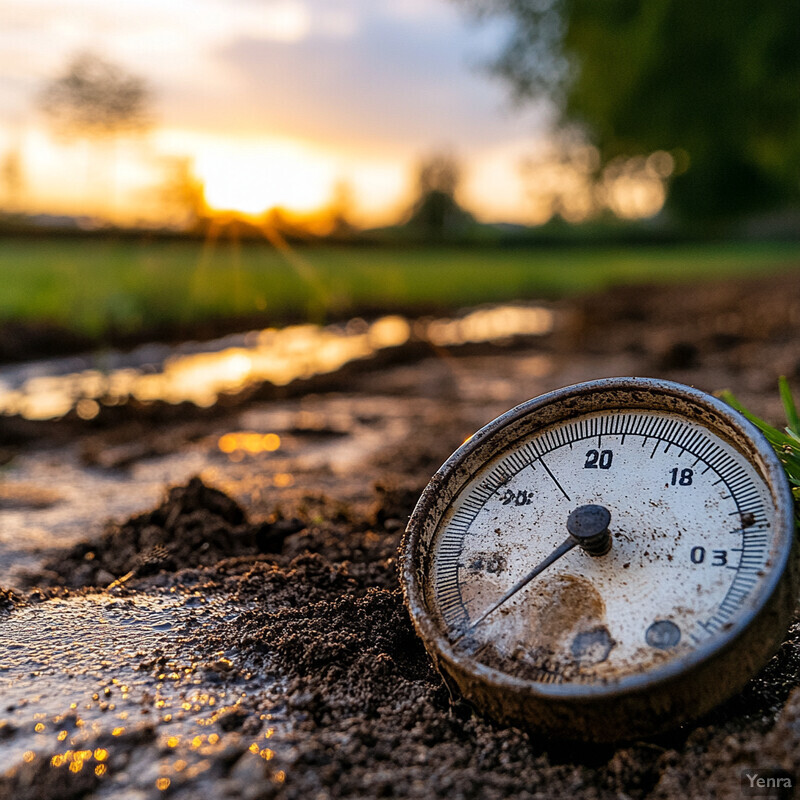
x=682, y=477
x=598, y=458
x=719, y=558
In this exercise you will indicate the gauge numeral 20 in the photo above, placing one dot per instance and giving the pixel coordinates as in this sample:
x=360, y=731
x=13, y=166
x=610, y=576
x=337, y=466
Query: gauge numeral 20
x=521, y=498
x=599, y=458
x=719, y=557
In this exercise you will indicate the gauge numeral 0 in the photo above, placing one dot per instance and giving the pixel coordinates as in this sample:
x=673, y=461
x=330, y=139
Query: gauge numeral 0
x=682, y=477
x=719, y=557
x=599, y=458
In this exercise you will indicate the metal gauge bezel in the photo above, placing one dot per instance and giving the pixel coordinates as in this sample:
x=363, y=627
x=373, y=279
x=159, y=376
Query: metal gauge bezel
x=663, y=696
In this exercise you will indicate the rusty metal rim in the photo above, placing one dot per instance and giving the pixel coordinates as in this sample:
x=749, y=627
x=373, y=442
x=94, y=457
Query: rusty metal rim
x=765, y=462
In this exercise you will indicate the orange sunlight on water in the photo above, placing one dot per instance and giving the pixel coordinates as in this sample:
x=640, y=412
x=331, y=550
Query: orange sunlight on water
x=277, y=356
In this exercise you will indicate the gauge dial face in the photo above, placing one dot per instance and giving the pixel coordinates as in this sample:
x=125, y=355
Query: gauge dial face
x=692, y=539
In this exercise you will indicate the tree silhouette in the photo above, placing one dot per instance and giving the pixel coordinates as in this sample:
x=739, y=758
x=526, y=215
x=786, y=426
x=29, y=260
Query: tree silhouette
x=99, y=102
x=436, y=214
x=12, y=177
x=714, y=83
x=96, y=99
x=182, y=194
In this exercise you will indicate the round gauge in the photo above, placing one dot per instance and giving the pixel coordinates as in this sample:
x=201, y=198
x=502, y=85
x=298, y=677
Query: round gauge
x=609, y=560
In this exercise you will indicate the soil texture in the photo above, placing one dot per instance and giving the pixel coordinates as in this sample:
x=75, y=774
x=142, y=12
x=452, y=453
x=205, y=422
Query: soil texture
x=320, y=687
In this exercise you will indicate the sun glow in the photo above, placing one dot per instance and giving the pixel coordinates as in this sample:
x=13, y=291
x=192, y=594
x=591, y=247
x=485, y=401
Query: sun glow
x=251, y=175
x=252, y=178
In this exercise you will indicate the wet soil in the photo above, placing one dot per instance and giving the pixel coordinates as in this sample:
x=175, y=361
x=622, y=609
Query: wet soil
x=320, y=687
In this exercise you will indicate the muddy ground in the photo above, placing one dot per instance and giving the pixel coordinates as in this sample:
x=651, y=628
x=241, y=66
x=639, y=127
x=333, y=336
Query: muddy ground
x=245, y=636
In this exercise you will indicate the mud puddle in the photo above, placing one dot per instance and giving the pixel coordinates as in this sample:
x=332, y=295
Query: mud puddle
x=199, y=373
x=76, y=667
x=56, y=497
x=85, y=681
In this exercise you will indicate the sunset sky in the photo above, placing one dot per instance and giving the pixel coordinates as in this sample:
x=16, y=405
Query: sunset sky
x=274, y=101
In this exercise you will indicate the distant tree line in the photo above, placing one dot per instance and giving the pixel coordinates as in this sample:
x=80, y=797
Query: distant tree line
x=716, y=83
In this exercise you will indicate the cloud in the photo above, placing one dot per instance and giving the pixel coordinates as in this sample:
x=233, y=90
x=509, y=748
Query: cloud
x=402, y=77
x=380, y=79
x=329, y=18
x=155, y=36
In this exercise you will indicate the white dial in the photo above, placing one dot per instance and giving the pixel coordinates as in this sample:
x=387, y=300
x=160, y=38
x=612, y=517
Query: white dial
x=609, y=560
x=691, y=524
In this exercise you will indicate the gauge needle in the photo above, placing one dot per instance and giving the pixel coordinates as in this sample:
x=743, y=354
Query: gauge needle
x=587, y=526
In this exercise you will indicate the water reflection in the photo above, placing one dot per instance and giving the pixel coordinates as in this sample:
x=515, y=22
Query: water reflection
x=490, y=324
x=72, y=671
x=249, y=442
x=80, y=694
x=200, y=373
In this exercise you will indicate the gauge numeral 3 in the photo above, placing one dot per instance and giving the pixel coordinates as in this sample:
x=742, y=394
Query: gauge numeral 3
x=599, y=458
x=719, y=558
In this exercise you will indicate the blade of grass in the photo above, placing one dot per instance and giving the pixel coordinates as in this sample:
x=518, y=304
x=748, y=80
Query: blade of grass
x=776, y=438
x=788, y=405
x=785, y=444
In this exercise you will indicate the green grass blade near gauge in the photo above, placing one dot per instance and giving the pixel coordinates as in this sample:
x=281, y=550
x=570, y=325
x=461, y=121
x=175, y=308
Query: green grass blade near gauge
x=609, y=560
x=786, y=443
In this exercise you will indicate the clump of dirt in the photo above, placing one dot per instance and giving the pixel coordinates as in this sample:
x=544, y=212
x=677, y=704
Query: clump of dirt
x=195, y=525
x=9, y=599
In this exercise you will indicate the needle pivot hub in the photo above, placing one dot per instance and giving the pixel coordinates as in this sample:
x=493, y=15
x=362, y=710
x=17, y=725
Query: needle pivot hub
x=588, y=526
